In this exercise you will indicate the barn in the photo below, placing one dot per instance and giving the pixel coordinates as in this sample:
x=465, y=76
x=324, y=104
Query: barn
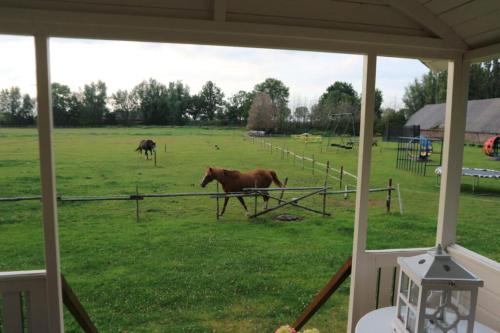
x=483, y=120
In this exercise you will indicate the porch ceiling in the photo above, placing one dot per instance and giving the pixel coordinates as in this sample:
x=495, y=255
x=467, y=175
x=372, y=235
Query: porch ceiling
x=430, y=29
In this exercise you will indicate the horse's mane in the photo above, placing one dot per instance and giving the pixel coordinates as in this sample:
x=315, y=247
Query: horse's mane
x=231, y=173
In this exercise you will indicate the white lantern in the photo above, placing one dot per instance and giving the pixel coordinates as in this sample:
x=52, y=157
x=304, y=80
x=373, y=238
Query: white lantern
x=435, y=295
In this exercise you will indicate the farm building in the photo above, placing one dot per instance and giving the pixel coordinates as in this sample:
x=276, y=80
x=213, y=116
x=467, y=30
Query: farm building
x=448, y=34
x=483, y=120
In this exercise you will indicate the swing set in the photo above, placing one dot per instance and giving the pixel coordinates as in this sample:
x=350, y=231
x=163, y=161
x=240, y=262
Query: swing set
x=342, y=121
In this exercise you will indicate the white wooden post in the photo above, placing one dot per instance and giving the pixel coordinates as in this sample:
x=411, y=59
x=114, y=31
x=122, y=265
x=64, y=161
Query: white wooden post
x=48, y=182
x=361, y=283
x=453, y=148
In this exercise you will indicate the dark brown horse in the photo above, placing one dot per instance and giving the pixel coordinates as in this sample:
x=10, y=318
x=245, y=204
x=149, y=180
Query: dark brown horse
x=235, y=181
x=146, y=145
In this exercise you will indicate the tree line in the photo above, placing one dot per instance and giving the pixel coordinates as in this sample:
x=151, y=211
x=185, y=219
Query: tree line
x=154, y=103
x=148, y=103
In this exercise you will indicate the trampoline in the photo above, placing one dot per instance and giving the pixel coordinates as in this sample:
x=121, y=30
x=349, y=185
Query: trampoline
x=476, y=173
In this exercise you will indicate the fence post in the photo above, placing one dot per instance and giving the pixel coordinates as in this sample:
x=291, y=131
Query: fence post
x=389, y=196
x=155, y=156
x=400, y=201
x=326, y=186
x=255, y=199
x=165, y=147
x=137, y=203
x=217, y=211
x=271, y=145
x=341, y=176
x=346, y=193
x=282, y=152
x=313, y=163
x=302, y=161
x=283, y=191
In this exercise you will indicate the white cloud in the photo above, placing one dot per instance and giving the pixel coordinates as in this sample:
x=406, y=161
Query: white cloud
x=122, y=65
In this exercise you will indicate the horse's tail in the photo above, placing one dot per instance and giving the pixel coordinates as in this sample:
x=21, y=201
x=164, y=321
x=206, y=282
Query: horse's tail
x=138, y=148
x=275, y=178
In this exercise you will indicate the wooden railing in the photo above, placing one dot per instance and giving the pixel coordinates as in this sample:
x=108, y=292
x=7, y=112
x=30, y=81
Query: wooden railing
x=383, y=274
x=488, y=299
x=24, y=303
x=324, y=294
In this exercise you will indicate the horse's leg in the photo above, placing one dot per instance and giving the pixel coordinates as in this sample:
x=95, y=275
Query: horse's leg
x=243, y=203
x=146, y=153
x=226, y=199
x=265, y=196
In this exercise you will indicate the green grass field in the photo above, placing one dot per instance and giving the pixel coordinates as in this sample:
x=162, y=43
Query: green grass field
x=180, y=270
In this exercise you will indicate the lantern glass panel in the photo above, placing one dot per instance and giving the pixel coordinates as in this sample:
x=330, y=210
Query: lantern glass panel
x=461, y=299
x=434, y=299
x=411, y=322
x=414, y=291
x=450, y=317
x=402, y=310
x=404, y=284
x=431, y=327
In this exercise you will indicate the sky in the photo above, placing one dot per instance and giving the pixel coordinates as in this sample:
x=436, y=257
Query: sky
x=122, y=65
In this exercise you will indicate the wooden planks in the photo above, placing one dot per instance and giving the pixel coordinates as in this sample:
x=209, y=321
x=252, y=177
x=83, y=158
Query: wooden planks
x=325, y=10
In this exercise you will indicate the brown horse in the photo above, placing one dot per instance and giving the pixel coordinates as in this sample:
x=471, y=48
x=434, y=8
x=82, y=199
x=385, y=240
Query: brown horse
x=235, y=181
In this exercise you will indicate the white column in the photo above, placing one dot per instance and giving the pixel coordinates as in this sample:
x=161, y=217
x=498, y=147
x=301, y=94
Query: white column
x=359, y=303
x=48, y=182
x=453, y=148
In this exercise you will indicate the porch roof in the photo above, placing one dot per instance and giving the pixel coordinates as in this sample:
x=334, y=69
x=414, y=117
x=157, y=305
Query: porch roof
x=426, y=29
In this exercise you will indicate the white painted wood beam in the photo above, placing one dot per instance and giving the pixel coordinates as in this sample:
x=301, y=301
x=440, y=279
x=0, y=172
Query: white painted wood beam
x=220, y=9
x=360, y=283
x=48, y=183
x=417, y=12
x=151, y=29
x=453, y=148
x=483, y=53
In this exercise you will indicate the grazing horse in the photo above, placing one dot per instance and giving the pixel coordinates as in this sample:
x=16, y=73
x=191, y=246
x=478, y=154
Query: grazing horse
x=146, y=145
x=235, y=181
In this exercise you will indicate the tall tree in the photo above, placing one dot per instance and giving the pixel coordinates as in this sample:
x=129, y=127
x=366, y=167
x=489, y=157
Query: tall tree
x=26, y=113
x=210, y=101
x=10, y=104
x=94, y=107
x=61, y=104
x=379, y=99
x=123, y=107
x=340, y=97
x=301, y=113
x=262, y=114
x=279, y=94
x=238, y=106
x=150, y=100
x=194, y=109
x=177, y=102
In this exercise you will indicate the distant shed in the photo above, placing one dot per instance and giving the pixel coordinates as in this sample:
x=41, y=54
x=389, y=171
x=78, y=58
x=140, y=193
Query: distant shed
x=483, y=119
